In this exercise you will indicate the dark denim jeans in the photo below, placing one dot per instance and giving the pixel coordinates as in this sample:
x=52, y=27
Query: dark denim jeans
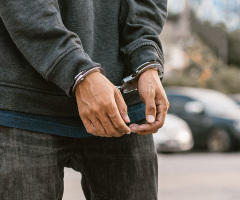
x=32, y=166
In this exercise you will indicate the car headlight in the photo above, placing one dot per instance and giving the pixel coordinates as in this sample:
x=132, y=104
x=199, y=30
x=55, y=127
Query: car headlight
x=236, y=125
x=183, y=136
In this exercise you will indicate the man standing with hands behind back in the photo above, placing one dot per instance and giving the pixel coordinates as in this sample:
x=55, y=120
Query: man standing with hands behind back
x=100, y=60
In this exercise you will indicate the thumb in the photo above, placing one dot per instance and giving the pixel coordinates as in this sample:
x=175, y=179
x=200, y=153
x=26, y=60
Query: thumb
x=150, y=109
x=122, y=107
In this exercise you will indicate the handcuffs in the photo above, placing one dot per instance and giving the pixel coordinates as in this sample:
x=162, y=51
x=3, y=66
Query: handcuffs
x=128, y=84
x=83, y=74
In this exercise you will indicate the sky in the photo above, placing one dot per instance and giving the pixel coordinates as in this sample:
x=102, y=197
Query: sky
x=174, y=6
x=214, y=11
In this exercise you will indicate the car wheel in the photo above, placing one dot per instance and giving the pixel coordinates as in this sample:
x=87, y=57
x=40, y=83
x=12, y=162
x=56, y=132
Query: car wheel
x=219, y=141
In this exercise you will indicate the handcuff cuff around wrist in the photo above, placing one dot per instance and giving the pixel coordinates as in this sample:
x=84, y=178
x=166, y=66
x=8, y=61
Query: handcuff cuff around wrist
x=83, y=74
x=128, y=84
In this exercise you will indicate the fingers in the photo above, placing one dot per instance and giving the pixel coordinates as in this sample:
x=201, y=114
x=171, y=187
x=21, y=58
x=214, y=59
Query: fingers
x=102, y=105
x=162, y=109
x=105, y=122
x=89, y=126
x=147, y=86
x=156, y=103
x=117, y=120
x=111, y=130
x=144, y=129
x=96, y=127
x=150, y=106
x=148, y=95
x=121, y=105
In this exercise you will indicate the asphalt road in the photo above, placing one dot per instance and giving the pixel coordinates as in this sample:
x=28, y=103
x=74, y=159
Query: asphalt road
x=188, y=176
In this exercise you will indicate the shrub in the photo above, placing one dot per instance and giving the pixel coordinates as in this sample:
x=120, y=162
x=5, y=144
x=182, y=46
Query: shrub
x=226, y=80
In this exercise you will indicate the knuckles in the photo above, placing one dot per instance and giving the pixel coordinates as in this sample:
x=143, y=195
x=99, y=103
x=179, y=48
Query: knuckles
x=98, y=107
x=160, y=124
x=151, y=108
x=165, y=106
x=117, y=91
x=168, y=104
x=106, y=104
x=124, y=109
x=89, y=130
x=94, y=110
x=119, y=126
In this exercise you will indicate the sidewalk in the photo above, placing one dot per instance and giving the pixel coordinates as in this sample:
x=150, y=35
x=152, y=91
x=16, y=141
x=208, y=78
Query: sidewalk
x=72, y=186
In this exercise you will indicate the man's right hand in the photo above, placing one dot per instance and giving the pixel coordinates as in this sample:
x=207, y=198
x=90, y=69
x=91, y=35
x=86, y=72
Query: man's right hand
x=102, y=107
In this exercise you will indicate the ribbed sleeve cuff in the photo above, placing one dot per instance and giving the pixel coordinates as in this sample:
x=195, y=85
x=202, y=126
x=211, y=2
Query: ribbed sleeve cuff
x=67, y=67
x=142, y=53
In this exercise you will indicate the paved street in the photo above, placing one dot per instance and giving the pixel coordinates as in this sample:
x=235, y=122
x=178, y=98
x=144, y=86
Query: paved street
x=190, y=176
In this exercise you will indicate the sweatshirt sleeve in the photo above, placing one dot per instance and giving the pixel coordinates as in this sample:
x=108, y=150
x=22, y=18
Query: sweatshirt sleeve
x=37, y=30
x=141, y=22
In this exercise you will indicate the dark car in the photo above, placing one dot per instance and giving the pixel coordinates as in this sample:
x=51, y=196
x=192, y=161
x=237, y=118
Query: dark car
x=213, y=117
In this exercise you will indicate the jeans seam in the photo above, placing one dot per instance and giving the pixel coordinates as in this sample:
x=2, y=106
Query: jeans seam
x=89, y=185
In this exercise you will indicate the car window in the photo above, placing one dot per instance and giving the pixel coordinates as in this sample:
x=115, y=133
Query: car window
x=177, y=103
x=218, y=103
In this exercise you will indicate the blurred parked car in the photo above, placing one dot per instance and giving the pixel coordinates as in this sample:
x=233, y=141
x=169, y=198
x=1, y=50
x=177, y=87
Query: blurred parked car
x=174, y=136
x=213, y=117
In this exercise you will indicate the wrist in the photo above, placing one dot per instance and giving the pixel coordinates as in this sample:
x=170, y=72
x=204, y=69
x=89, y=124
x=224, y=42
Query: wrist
x=148, y=76
x=130, y=83
x=83, y=74
x=154, y=71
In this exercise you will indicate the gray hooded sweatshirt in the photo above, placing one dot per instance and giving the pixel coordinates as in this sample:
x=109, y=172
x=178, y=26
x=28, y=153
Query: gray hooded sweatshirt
x=44, y=44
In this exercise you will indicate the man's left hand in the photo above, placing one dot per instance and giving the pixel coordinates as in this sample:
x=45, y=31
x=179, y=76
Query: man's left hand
x=155, y=100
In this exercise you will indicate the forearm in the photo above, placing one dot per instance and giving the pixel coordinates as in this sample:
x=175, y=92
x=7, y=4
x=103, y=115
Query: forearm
x=141, y=23
x=37, y=30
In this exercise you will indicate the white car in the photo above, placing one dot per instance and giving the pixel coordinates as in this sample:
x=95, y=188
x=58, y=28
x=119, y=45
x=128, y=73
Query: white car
x=174, y=136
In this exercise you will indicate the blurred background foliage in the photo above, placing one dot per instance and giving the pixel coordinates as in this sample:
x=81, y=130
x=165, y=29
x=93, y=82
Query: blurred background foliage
x=203, y=51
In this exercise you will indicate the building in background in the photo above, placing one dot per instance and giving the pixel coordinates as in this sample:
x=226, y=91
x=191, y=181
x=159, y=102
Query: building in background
x=201, y=39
